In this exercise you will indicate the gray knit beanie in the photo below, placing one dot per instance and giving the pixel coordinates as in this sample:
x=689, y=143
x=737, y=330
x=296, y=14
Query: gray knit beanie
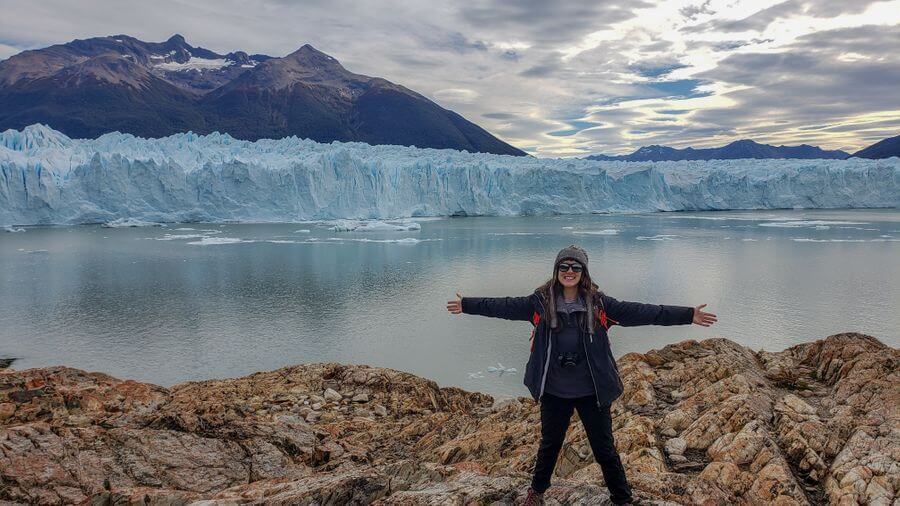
x=570, y=252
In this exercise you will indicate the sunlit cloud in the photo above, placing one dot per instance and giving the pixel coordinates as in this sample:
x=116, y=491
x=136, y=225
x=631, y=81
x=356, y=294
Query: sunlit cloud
x=456, y=95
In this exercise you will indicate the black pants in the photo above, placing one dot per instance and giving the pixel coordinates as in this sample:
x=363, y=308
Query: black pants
x=555, y=415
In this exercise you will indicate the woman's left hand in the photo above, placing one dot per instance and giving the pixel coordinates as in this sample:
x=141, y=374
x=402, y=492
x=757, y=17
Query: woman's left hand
x=703, y=318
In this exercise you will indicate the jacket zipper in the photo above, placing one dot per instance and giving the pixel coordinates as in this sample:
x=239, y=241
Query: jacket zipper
x=587, y=357
x=549, y=343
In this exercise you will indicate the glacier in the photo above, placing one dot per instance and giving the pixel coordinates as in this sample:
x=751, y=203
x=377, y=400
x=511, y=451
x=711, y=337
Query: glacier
x=48, y=178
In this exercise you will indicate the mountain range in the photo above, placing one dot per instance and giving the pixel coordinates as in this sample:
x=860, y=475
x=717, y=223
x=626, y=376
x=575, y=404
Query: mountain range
x=89, y=87
x=750, y=149
x=735, y=150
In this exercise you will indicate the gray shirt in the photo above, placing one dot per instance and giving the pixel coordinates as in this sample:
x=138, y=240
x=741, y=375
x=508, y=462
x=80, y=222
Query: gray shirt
x=569, y=382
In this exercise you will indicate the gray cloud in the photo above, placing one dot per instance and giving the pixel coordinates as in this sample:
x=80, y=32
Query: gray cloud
x=541, y=70
x=413, y=61
x=692, y=11
x=728, y=45
x=499, y=115
x=434, y=38
x=757, y=21
x=547, y=21
x=760, y=20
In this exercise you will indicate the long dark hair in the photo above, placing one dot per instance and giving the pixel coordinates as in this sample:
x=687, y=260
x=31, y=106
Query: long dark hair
x=587, y=289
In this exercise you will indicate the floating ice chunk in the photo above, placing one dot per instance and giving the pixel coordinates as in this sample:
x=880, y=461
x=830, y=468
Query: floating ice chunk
x=607, y=231
x=12, y=229
x=373, y=226
x=659, y=237
x=747, y=239
x=176, y=237
x=213, y=241
x=129, y=222
x=727, y=216
x=809, y=223
x=302, y=231
x=476, y=375
x=807, y=239
x=500, y=370
x=405, y=240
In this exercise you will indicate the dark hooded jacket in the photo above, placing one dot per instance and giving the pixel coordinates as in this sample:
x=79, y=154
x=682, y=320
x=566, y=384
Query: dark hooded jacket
x=606, y=311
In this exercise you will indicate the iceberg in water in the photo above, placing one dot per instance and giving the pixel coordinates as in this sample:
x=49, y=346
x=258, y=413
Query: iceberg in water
x=373, y=226
x=47, y=178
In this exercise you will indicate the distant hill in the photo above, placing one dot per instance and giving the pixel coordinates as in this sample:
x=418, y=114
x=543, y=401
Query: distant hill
x=882, y=149
x=89, y=87
x=735, y=150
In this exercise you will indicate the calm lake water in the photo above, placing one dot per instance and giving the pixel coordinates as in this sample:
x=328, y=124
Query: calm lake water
x=186, y=302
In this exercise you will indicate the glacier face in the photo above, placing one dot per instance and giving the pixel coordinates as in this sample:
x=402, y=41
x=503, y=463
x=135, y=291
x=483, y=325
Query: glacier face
x=48, y=178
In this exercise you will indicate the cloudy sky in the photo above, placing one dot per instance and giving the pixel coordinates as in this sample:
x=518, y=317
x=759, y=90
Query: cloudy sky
x=561, y=78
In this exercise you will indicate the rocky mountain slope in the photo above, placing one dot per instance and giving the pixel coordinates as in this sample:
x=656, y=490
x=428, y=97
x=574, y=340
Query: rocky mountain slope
x=89, y=87
x=708, y=422
x=884, y=148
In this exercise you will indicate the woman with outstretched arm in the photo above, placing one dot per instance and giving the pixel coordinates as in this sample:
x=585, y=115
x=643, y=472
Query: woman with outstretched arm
x=571, y=364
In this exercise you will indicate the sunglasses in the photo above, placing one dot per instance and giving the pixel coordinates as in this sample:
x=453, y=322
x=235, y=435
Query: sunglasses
x=570, y=267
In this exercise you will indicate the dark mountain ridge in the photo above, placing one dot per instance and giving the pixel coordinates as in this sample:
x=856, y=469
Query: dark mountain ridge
x=93, y=86
x=736, y=150
x=884, y=148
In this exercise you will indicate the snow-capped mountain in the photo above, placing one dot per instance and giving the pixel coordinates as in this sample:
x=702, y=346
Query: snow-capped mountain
x=46, y=177
x=86, y=88
x=736, y=150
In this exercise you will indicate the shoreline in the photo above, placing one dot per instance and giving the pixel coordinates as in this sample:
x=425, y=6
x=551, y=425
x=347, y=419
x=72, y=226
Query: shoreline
x=164, y=224
x=699, y=420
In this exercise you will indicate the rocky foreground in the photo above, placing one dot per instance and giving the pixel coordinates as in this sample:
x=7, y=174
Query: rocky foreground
x=708, y=422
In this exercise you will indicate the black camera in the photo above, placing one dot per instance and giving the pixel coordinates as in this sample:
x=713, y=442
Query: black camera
x=569, y=359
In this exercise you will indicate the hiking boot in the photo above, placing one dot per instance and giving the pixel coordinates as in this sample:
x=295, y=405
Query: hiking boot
x=533, y=498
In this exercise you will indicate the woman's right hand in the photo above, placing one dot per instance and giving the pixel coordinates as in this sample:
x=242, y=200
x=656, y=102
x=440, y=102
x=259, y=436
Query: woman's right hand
x=455, y=306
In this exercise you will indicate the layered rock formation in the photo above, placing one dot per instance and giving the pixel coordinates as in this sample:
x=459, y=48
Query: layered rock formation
x=707, y=422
